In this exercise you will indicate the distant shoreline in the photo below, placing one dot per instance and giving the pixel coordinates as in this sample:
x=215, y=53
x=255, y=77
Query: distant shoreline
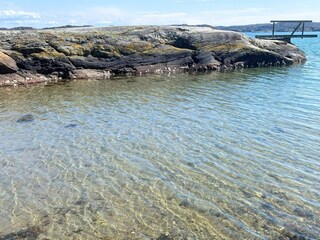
x=267, y=27
x=258, y=27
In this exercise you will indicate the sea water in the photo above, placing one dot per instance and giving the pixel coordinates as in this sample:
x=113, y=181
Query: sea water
x=231, y=155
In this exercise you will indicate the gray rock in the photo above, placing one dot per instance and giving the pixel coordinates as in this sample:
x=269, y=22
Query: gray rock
x=90, y=52
x=7, y=64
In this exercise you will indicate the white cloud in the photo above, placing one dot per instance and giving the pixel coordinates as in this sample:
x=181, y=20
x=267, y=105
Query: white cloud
x=18, y=15
x=52, y=22
x=240, y=11
x=104, y=22
x=97, y=16
x=13, y=18
x=94, y=13
x=105, y=16
x=120, y=16
x=165, y=15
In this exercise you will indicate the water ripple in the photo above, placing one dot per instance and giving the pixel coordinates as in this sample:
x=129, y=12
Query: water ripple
x=208, y=156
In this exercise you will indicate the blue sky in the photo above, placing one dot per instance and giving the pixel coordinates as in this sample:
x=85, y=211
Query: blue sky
x=44, y=13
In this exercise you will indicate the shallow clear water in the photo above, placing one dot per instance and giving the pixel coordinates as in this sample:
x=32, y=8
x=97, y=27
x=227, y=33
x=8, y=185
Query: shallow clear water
x=211, y=156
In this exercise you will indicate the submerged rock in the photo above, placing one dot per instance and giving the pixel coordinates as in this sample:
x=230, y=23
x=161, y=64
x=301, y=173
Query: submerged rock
x=26, y=118
x=185, y=203
x=100, y=53
x=27, y=234
x=72, y=125
x=132, y=81
x=164, y=237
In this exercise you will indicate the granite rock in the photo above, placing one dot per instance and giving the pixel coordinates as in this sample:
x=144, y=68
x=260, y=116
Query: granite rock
x=82, y=53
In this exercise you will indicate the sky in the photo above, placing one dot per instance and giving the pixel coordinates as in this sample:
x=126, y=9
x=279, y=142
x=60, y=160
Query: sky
x=49, y=13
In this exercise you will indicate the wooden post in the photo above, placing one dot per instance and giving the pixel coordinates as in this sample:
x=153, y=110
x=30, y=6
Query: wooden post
x=273, y=28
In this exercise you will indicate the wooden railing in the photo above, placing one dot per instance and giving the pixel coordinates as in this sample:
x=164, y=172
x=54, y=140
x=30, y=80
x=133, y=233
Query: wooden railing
x=287, y=37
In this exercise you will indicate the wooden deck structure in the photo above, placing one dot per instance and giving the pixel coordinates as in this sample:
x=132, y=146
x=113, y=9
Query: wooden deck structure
x=287, y=37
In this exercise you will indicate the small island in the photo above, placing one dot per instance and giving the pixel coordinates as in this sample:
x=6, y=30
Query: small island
x=51, y=55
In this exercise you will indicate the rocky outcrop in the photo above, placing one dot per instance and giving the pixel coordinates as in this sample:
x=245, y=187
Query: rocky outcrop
x=56, y=55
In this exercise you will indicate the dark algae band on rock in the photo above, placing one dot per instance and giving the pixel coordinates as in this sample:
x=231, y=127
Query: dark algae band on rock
x=44, y=56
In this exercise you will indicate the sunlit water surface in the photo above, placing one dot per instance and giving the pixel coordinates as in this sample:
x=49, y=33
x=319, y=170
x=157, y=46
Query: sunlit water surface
x=213, y=156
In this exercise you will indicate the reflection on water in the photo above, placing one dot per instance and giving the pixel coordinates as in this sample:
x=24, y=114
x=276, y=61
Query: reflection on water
x=211, y=156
